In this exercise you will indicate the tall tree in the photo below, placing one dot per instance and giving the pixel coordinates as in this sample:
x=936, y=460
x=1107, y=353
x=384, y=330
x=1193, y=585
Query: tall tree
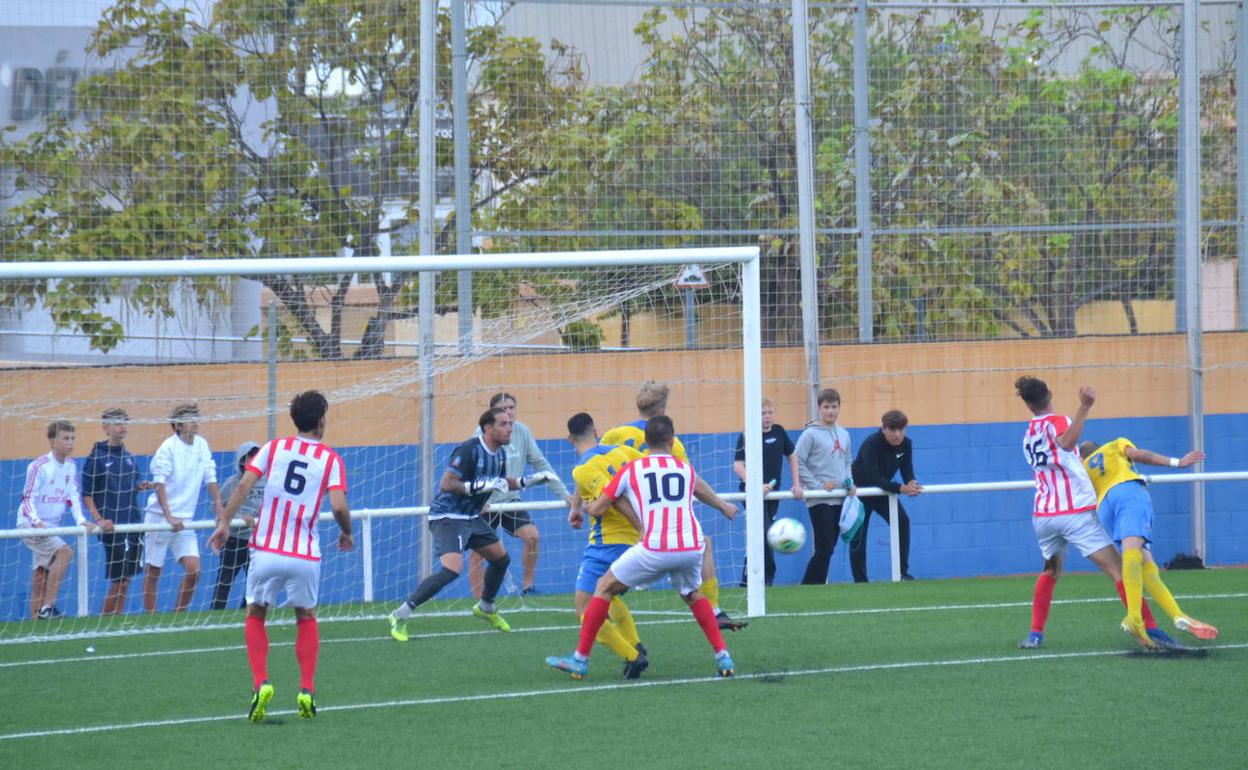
x=266, y=128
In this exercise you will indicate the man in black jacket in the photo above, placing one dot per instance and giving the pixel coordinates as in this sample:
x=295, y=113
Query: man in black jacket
x=879, y=458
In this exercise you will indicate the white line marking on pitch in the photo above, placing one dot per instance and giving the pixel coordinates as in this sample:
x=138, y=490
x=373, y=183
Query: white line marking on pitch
x=680, y=618
x=448, y=699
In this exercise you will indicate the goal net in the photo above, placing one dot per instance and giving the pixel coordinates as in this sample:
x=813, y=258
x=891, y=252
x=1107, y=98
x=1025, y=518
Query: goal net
x=558, y=333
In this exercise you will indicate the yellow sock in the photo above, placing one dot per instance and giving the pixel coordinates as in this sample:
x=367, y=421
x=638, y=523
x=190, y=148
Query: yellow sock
x=622, y=617
x=1158, y=590
x=1133, y=582
x=710, y=589
x=610, y=636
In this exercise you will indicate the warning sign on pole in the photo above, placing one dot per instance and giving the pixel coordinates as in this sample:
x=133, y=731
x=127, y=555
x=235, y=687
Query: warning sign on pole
x=691, y=277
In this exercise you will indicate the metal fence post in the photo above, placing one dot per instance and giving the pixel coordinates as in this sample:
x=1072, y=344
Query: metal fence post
x=272, y=369
x=366, y=545
x=463, y=176
x=428, y=168
x=1241, y=152
x=862, y=173
x=1189, y=249
x=806, y=201
x=84, y=599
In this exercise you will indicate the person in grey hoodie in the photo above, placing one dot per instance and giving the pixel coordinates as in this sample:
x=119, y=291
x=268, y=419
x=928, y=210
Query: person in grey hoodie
x=235, y=555
x=824, y=460
x=518, y=524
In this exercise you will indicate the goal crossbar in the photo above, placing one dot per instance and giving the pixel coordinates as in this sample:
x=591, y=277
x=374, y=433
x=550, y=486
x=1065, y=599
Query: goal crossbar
x=187, y=268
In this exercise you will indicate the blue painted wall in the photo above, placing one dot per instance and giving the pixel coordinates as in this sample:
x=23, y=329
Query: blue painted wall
x=952, y=535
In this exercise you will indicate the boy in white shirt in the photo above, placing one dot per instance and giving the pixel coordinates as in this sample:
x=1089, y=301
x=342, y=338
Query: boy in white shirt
x=51, y=487
x=180, y=466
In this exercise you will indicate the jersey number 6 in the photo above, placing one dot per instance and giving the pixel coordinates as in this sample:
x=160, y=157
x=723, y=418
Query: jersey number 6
x=295, y=481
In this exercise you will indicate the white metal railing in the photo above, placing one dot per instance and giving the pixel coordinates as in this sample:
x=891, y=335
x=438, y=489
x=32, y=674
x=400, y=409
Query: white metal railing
x=365, y=517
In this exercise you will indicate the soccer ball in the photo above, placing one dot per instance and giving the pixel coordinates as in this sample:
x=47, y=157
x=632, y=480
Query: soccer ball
x=786, y=535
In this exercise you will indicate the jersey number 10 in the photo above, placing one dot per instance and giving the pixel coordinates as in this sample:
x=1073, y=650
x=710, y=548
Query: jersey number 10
x=672, y=486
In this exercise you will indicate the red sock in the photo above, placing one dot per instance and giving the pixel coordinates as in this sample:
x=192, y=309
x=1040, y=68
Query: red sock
x=705, y=616
x=1149, y=623
x=307, y=643
x=1041, y=601
x=257, y=649
x=595, y=616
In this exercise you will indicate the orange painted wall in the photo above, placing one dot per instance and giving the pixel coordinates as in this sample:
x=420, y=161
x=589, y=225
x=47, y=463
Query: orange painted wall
x=377, y=403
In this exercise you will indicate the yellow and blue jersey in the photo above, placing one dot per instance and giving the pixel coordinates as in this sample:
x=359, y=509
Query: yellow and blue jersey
x=593, y=471
x=633, y=435
x=1109, y=466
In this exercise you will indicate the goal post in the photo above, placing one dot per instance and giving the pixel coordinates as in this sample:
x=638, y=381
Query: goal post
x=524, y=344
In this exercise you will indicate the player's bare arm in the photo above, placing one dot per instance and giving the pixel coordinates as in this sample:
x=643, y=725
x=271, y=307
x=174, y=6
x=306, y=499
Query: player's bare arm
x=342, y=515
x=703, y=492
x=600, y=505
x=1069, y=439
x=1149, y=457
x=626, y=510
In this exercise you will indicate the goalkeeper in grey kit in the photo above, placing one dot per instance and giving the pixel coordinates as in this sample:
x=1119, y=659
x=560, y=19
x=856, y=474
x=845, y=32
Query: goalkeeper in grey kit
x=477, y=468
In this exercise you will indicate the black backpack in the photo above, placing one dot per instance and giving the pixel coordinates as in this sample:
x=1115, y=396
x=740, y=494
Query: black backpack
x=1185, y=561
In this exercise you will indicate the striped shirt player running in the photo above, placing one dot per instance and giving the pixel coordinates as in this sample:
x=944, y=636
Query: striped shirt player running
x=655, y=493
x=1065, y=505
x=299, y=471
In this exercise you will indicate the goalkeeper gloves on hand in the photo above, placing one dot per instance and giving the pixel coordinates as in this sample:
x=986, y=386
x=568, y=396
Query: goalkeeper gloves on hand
x=533, y=479
x=477, y=486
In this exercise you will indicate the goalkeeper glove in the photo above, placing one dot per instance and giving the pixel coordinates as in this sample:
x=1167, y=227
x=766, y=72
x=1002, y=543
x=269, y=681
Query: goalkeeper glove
x=477, y=486
x=533, y=479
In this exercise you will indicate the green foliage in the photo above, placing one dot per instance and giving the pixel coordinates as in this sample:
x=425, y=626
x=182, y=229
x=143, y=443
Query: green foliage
x=980, y=125
x=267, y=129
x=582, y=335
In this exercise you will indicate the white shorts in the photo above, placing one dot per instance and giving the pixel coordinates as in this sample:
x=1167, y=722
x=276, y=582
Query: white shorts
x=271, y=573
x=44, y=549
x=640, y=566
x=1082, y=530
x=156, y=546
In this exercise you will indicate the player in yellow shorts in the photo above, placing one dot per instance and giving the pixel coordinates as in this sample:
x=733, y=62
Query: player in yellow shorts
x=610, y=535
x=652, y=402
x=1126, y=511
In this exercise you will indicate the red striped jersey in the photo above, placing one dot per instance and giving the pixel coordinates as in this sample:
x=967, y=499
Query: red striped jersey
x=1062, y=483
x=660, y=488
x=298, y=473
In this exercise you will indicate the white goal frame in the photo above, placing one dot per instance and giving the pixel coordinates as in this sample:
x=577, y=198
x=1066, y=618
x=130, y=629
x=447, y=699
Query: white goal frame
x=751, y=340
